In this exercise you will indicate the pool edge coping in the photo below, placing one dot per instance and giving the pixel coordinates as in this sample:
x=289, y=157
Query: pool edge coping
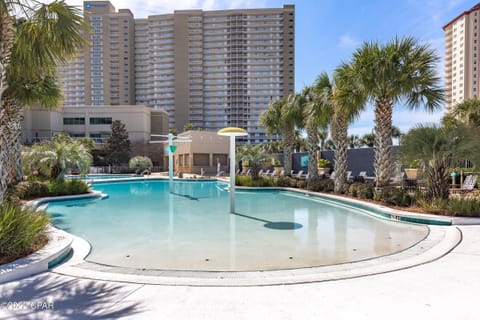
x=54, y=249
x=441, y=241
x=58, y=246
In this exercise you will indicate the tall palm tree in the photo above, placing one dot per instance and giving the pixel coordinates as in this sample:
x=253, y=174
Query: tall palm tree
x=440, y=148
x=282, y=117
x=401, y=70
x=42, y=40
x=368, y=139
x=323, y=136
x=354, y=141
x=317, y=115
x=348, y=102
x=465, y=113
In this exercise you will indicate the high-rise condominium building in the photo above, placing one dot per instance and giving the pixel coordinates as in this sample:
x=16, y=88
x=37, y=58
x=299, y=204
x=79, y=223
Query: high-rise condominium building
x=211, y=69
x=462, y=57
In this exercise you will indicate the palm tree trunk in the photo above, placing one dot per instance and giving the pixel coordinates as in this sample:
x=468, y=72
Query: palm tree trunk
x=383, y=162
x=340, y=141
x=438, y=179
x=312, y=146
x=14, y=117
x=288, y=141
x=7, y=34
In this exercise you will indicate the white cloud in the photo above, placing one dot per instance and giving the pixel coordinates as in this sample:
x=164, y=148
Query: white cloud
x=348, y=42
x=142, y=9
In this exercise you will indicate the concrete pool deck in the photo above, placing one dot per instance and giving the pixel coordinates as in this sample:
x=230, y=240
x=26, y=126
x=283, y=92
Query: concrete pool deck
x=446, y=288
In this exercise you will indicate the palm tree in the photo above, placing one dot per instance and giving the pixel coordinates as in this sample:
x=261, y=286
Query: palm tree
x=348, y=102
x=396, y=133
x=323, y=136
x=317, y=115
x=465, y=113
x=368, y=139
x=282, y=117
x=254, y=156
x=440, y=148
x=55, y=157
x=401, y=70
x=35, y=45
x=354, y=141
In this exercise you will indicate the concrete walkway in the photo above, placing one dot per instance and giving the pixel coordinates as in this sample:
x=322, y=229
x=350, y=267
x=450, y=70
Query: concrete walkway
x=447, y=288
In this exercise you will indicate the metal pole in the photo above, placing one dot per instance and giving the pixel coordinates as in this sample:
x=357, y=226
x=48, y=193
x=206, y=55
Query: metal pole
x=170, y=161
x=232, y=174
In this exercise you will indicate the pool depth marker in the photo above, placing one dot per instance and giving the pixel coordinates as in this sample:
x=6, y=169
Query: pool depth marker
x=232, y=132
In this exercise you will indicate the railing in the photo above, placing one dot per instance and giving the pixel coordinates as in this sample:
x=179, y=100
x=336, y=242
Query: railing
x=118, y=169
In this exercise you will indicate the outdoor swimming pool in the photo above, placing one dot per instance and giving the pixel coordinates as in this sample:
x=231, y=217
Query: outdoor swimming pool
x=143, y=225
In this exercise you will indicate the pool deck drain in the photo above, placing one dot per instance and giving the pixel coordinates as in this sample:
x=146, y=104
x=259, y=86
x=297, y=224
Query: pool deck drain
x=440, y=241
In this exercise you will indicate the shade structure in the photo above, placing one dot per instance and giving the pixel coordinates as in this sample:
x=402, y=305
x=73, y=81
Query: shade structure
x=232, y=132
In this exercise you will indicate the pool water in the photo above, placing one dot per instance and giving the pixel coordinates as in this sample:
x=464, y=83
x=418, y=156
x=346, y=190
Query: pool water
x=144, y=225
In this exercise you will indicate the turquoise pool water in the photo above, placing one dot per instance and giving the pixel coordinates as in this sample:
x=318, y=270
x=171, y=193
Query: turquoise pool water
x=143, y=225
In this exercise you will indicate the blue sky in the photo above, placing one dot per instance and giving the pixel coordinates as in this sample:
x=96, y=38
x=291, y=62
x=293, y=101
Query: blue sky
x=328, y=31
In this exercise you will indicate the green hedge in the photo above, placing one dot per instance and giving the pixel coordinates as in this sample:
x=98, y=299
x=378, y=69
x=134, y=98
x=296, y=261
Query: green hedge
x=247, y=181
x=35, y=189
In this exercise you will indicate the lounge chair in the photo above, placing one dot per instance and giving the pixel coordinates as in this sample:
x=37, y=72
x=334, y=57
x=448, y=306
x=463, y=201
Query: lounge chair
x=298, y=175
x=468, y=184
x=266, y=173
x=349, y=176
x=332, y=175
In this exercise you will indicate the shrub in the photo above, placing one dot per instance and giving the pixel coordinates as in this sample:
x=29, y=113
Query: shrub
x=286, y=181
x=468, y=207
x=35, y=189
x=323, y=163
x=247, y=181
x=140, y=164
x=321, y=185
x=66, y=187
x=301, y=184
x=22, y=231
x=31, y=189
x=394, y=196
x=361, y=190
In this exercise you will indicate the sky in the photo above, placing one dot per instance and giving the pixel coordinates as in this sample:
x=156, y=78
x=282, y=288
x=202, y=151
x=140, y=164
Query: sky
x=327, y=32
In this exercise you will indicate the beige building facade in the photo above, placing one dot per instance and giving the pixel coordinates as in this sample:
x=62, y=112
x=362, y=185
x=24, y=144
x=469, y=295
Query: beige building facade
x=94, y=122
x=462, y=57
x=211, y=69
x=202, y=152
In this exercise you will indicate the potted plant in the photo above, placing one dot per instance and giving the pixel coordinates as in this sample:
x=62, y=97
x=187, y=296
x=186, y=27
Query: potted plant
x=277, y=167
x=323, y=166
x=414, y=169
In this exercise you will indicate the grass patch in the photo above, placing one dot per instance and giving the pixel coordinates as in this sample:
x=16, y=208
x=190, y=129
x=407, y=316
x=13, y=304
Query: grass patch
x=22, y=231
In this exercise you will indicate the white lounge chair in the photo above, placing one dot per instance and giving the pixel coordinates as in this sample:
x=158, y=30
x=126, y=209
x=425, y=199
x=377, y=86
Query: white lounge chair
x=468, y=184
x=266, y=173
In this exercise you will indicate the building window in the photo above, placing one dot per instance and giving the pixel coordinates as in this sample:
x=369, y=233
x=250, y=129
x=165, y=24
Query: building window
x=77, y=135
x=68, y=121
x=100, y=120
